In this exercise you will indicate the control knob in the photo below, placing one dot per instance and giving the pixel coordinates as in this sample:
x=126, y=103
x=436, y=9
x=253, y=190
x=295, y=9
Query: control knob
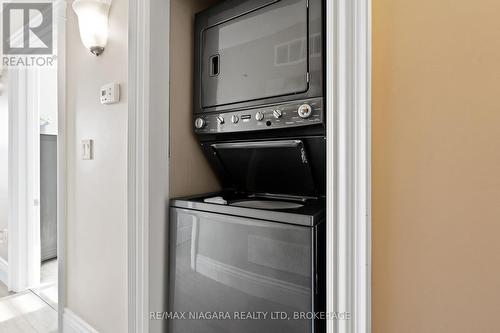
x=199, y=123
x=277, y=113
x=259, y=116
x=220, y=120
x=235, y=118
x=304, y=111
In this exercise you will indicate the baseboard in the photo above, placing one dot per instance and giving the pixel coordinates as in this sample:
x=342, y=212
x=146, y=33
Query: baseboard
x=74, y=324
x=4, y=271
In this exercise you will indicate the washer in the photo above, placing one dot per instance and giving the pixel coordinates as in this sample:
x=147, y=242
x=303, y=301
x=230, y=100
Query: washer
x=230, y=261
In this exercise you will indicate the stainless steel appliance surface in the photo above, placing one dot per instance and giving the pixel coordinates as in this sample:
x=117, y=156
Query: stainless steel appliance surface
x=265, y=265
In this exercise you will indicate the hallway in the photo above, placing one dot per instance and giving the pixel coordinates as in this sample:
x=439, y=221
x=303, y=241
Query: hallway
x=34, y=310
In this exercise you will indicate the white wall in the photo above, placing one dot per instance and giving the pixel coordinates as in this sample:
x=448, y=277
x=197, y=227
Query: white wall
x=4, y=150
x=96, y=227
x=48, y=104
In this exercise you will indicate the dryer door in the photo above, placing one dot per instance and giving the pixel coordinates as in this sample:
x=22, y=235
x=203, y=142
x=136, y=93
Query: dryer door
x=256, y=55
x=280, y=166
x=252, y=275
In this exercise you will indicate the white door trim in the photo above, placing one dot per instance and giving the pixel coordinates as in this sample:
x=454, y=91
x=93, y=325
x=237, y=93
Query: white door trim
x=138, y=166
x=24, y=179
x=147, y=178
x=348, y=155
x=62, y=158
x=348, y=159
x=25, y=269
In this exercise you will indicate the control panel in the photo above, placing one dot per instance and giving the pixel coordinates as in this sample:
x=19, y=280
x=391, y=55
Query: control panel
x=110, y=93
x=307, y=112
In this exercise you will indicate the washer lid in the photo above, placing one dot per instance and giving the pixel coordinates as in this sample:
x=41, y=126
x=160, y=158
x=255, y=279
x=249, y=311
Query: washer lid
x=310, y=214
x=280, y=166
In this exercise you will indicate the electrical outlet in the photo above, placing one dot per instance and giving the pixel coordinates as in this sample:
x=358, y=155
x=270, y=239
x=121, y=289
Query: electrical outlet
x=3, y=236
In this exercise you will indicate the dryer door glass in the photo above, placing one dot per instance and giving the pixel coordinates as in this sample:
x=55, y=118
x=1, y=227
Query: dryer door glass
x=257, y=55
x=280, y=166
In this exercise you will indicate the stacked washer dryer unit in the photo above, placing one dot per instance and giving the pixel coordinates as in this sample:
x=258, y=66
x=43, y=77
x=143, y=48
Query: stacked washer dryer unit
x=251, y=257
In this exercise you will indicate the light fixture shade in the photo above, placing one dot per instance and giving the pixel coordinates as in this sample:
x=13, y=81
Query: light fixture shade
x=93, y=23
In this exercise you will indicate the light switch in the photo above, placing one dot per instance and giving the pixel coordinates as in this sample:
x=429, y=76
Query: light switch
x=87, y=149
x=110, y=93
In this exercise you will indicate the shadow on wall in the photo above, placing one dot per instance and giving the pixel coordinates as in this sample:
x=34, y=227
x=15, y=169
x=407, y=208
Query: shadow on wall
x=189, y=171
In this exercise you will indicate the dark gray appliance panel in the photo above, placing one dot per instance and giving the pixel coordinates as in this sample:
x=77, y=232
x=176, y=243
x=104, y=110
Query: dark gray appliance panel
x=280, y=166
x=223, y=263
x=48, y=196
x=274, y=170
x=257, y=55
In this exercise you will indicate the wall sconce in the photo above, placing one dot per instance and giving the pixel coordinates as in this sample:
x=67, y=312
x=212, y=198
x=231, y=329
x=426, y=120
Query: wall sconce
x=93, y=23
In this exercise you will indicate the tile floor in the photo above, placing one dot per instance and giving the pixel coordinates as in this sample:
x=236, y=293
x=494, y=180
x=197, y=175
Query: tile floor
x=31, y=311
x=25, y=312
x=47, y=290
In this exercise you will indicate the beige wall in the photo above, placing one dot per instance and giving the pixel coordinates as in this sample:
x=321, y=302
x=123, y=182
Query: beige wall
x=436, y=164
x=96, y=228
x=189, y=171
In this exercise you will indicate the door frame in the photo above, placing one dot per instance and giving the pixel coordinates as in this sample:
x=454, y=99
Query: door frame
x=24, y=179
x=138, y=166
x=62, y=159
x=24, y=273
x=348, y=162
x=147, y=165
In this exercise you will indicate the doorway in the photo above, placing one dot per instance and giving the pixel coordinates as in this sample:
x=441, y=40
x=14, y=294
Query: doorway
x=30, y=280
x=29, y=183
